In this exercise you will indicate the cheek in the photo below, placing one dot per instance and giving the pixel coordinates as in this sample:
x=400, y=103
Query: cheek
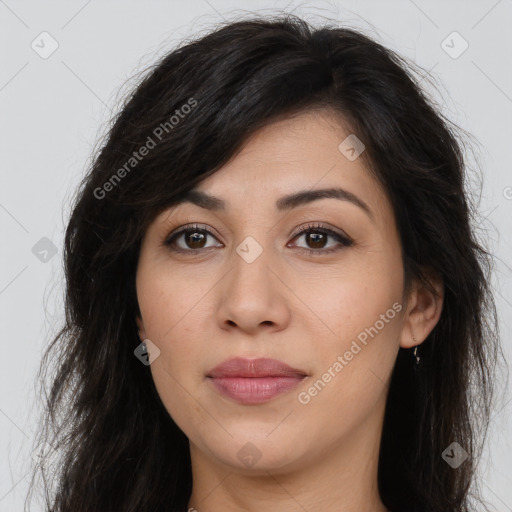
x=350, y=296
x=355, y=359
x=347, y=305
x=178, y=372
x=176, y=393
x=351, y=383
x=167, y=310
x=168, y=301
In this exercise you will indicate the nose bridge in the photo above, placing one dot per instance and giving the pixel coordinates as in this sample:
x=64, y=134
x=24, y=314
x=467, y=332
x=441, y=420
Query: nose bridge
x=251, y=294
x=251, y=262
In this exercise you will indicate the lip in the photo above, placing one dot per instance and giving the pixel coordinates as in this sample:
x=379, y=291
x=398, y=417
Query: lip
x=254, y=381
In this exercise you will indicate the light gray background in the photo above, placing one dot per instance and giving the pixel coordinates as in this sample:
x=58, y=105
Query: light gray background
x=53, y=111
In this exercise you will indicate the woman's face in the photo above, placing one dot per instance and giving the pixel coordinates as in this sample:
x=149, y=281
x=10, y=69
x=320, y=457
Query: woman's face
x=249, y=288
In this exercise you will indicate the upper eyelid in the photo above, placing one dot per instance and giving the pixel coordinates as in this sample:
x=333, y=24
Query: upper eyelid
x=190, y=227
x=320, y=227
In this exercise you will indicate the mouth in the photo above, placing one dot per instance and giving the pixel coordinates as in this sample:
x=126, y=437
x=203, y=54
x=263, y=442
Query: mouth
x=254, y=381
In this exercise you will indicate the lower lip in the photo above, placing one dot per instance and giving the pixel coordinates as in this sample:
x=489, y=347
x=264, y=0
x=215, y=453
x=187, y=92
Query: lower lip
x=254, y=390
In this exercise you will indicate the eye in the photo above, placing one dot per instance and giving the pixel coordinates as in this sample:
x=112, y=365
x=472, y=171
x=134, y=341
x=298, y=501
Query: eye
x=317, y=236
x=193, y=239
x=190, y=239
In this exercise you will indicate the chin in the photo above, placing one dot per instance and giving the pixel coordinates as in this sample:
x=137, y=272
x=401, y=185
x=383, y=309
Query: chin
x=256, y=453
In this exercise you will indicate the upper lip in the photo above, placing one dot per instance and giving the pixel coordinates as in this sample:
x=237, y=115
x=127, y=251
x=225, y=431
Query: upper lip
x=261, y=367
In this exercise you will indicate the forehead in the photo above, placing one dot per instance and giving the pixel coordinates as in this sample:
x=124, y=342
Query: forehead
x=297, y=154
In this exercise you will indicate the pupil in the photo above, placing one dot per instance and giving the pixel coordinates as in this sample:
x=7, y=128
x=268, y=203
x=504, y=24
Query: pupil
x=196, y=238
x=317, y=240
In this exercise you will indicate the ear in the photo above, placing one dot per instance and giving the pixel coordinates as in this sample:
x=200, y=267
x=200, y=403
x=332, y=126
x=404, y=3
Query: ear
x=423, y=310
x=140, y=326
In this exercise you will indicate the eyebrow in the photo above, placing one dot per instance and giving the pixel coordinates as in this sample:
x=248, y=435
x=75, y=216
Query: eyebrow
x=284, y=203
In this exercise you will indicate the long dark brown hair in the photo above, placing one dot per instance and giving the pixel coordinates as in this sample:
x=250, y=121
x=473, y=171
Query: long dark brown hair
x=116, y=447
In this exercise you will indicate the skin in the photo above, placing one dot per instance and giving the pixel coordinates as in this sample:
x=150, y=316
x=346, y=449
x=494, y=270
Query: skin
x=305, y=310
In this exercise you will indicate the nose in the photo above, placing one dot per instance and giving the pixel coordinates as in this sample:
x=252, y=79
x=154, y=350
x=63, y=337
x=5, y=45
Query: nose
x=253, y=297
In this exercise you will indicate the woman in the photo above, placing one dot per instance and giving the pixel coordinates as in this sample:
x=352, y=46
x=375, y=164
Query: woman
x=275, y=300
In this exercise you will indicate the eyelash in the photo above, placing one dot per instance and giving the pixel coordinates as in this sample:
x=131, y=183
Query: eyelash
x=316, y=228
